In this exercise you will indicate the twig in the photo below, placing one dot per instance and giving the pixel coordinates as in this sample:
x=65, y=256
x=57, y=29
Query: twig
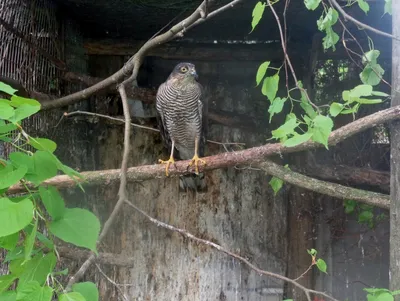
x=135, y=61
x=117, y=286
x=190, y=236
x=122, y=193
x=66, y=114
x=287, y=59
x=360, y=24
x=305, y=272
x=244, y=157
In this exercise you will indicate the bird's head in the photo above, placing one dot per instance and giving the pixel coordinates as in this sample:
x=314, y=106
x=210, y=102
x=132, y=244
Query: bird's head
x=184, y=71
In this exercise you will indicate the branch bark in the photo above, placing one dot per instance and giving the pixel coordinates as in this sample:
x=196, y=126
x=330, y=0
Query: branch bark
x=331, y=189
x=249, y=156
x=360, y=24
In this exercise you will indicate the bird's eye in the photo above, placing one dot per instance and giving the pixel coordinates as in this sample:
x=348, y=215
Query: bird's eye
x=184, y=69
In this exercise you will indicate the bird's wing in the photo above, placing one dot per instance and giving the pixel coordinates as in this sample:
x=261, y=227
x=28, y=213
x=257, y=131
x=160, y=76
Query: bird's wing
x=203, y=107
x=160, y=118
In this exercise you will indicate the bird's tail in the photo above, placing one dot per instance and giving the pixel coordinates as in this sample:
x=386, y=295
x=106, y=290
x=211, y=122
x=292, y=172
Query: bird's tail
x=193, y=182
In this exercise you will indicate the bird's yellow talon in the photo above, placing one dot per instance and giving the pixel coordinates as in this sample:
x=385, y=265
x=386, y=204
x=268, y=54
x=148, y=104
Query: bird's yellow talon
x=168, y=163
x=195, y=161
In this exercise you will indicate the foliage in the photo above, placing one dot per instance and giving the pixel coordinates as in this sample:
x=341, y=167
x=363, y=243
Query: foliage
x=380, y=294
x=30, y=223
x=305, y=120
x=364, y=213
x=319, y=263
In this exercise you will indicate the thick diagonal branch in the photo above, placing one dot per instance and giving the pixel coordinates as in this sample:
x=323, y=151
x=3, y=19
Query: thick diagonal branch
x=249, y=156
x=331, y=189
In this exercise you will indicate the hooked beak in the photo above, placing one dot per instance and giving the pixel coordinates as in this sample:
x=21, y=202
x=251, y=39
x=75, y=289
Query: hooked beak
x=194, y=73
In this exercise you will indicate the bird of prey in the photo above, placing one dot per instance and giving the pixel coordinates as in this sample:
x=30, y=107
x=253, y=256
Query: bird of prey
x=182, y=109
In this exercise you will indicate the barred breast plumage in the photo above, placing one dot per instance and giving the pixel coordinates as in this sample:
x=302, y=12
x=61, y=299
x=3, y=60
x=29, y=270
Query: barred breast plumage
x=179, y=104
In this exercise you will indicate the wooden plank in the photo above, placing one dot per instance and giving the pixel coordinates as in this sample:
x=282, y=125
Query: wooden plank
x=395, y=160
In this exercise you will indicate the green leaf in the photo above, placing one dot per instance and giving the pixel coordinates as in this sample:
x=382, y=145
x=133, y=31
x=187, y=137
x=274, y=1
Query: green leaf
x=321, y=129
x=17, y=101
x=10, y=241
x=360, y=90
x=349, y=206
x=321, y=265
x=335, y=109
x=270, y=86
x=276, y=107
x=6, y=281
x=12, y=177
x=32, y=291
x=87, y=290
x=78, y=226
x=372, y=75
x=14, y=216
x=365, y=216
x=330, y=40
x=384, y=297
x=74, y=296
x=37, y=269
x=30, y=241
x=53, y=202
x=286, y=129
x=21, y=159
x=261, y=72
x=6, y=127
x=378, y=93
x=45, y=167
x=62, y=272
x=374, y=290
x=388, y=7
x=368, y=101
x=23, y=112
x=6, y=111
x=312, y=252
x=297, y=139
x=363, y=5
x=7, y=89
x=8, y=296
x=16, y=266
x=371, y=56
x=43, y=144
x=257, y=14
x=312, y=4
x=329, y=20
x=276, y=184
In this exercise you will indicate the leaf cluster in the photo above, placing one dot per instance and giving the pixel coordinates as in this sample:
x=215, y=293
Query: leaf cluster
x=30, y=223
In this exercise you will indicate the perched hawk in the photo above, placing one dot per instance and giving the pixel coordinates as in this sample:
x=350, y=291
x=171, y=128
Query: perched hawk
x=183, y=121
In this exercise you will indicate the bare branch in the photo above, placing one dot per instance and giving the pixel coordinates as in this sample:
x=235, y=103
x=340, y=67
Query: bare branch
x=360, y=24
x=331, y=189
x=119, y=120
x=112, y=282
x=135, y=62
x=211, y=244
x=122, y=193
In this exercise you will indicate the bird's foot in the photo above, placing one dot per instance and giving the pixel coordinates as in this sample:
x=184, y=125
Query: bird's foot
x=195, y=161
x=168, y=162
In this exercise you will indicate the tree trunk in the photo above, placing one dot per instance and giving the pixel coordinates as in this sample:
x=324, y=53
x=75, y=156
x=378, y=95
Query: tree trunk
x=395, y=160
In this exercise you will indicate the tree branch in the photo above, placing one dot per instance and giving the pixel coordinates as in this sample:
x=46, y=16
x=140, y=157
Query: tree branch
x=135, y=62
x=211, y=244
x=360, y=24
x=249, y=156
x=331, y=189
x=122, y=192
